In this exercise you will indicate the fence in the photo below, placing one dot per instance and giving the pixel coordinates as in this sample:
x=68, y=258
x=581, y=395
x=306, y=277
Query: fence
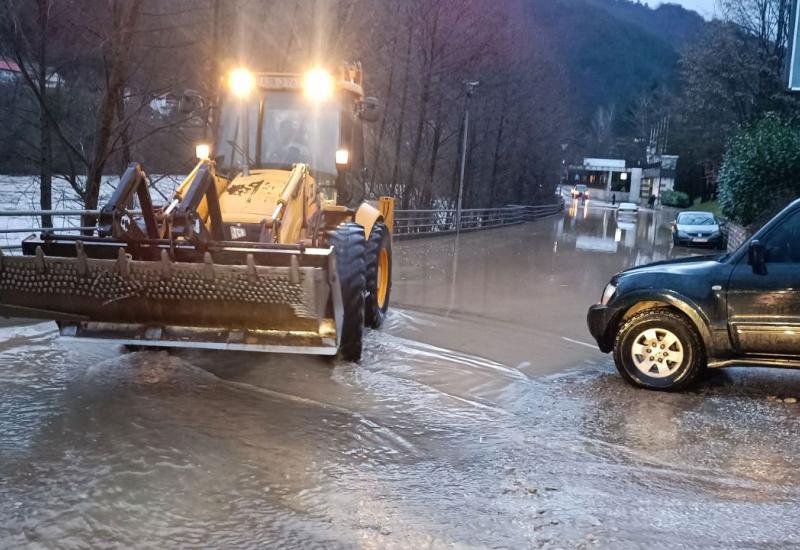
x=23, y=223
x=408, y=223
x=422, y=223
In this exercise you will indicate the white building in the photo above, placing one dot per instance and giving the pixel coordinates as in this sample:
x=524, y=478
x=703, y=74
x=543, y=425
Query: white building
x=612, y=177
x=607, y=177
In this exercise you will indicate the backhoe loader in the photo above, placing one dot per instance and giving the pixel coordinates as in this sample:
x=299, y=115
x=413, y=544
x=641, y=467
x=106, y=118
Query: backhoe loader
x=266, y=246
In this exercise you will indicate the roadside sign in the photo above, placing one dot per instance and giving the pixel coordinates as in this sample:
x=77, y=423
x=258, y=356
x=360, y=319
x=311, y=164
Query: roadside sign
x=792, y=55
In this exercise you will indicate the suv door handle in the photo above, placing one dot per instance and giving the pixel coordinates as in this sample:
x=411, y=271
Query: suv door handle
x=716, y=287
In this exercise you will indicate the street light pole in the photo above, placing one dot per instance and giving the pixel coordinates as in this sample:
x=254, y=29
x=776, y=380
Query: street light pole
x=471, y=85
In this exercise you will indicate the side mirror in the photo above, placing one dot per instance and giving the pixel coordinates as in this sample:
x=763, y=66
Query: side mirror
x=368, y=109
x=757, y=257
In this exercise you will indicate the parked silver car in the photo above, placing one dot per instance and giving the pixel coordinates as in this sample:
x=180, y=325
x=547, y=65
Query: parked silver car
x=697, y=229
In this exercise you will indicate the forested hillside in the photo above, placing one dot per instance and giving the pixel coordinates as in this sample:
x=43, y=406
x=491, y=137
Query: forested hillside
x=93, y=81
x=614, y=49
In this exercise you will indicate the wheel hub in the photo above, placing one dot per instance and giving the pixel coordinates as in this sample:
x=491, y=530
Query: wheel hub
x=657, y=352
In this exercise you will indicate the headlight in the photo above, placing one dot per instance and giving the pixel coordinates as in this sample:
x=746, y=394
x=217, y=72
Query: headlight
x=608, y=293
x=318, y=85
x=202, y=151
x=342, y=157
x=241, y=82
x=682, y=234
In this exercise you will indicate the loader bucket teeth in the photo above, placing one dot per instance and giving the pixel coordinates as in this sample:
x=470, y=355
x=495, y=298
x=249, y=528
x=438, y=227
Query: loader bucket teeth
x=203, y=304
x=81, y=260
x=166, y=266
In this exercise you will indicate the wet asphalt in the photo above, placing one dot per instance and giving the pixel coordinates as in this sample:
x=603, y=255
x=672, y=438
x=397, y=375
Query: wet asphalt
x=480, y=417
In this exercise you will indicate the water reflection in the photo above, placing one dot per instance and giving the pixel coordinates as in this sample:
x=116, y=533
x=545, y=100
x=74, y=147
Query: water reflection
x=514, y=294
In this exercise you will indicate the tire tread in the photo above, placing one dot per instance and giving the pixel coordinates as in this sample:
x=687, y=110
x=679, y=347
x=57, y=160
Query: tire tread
x=349, y=247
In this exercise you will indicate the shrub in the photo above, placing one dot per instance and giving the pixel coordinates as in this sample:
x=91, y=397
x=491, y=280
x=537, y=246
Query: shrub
x=675, y=198
x=759, y=171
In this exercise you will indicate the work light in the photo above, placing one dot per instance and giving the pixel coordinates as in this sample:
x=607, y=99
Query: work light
x=202, y=151
x=342, y=157
x=241, y=82
x=318, y=85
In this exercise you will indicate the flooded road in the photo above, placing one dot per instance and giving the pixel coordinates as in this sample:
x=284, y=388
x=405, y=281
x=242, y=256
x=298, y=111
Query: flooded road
x=478, y=418
x=520, y=295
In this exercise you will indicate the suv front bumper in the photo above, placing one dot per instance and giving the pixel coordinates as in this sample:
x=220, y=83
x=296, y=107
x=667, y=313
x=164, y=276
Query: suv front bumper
x=598, y=319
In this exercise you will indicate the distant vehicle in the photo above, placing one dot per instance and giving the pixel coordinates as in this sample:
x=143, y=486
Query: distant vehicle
x=627, y=208
x=580, y=191
x=667, y=321
x=698, y=229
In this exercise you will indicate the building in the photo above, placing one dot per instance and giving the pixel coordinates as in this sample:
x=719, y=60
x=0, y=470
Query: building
x=10, y=73
x=164, y=104
x=607, y=177
x=659, y=176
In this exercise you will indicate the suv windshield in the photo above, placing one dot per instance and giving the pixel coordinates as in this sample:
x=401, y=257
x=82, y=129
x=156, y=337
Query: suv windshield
x=696, y=219
x=284, y=128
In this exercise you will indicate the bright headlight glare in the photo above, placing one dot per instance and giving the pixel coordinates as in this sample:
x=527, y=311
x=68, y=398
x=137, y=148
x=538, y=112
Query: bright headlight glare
x=241, y=82
x=608, y=293
x=318, y=85
x=202, y=151
x=342, y=157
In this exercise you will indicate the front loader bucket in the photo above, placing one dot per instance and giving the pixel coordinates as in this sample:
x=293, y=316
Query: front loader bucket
x=270, y=308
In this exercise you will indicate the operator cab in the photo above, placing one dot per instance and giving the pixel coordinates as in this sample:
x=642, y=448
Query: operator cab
x=270, y=122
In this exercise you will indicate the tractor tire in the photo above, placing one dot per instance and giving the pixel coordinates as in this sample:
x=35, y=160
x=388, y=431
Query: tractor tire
x=379, y=275
x=348, y=247
x=659, y=349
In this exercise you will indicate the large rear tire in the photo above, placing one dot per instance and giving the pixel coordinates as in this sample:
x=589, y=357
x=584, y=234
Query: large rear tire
x=379, y=275
x=349, y=246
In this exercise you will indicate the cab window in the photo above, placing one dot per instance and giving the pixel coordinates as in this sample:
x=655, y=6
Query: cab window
x=782, y=244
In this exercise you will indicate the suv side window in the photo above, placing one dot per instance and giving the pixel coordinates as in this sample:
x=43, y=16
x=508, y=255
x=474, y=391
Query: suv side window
x=782, y=244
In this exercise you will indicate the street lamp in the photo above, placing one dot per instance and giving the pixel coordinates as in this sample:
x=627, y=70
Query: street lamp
x=470, y=89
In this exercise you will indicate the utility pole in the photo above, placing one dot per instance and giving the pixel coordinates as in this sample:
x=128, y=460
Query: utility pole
x=471, y=85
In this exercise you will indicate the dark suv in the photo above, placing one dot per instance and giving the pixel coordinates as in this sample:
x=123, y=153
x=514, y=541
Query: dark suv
x=667, y=321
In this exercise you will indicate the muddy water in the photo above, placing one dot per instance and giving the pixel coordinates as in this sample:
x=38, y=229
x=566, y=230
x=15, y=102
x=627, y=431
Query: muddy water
x=520, y=295
x=421, y=446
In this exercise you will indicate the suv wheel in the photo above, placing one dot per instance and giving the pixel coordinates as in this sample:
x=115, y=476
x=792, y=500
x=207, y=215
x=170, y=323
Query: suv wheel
x=659, y=350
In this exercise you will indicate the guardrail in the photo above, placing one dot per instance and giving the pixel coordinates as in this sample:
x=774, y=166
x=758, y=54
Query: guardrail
x=28, y=217
x=421, y=223
x=408, y=223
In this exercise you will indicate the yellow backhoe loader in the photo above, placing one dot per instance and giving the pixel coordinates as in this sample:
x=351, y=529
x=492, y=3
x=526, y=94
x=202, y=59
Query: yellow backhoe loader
x=267, y=245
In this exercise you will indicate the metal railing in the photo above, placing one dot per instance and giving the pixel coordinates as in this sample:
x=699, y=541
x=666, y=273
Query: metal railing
x=407, y=223
x=420, y=223
x=28, y=217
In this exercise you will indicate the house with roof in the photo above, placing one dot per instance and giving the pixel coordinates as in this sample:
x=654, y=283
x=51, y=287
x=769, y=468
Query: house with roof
x=10, y=73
